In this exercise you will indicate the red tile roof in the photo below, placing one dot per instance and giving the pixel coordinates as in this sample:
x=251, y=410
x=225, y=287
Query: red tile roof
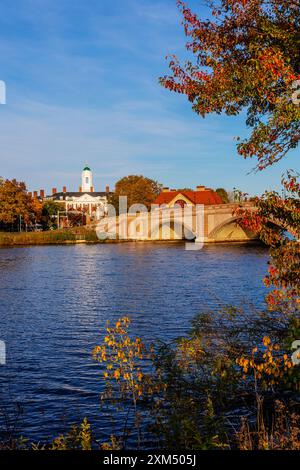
x=206, y=197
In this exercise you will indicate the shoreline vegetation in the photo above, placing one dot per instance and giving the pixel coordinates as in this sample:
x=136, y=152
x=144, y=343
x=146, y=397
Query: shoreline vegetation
x=211, y=389
x=79, y=235
x=49, y=237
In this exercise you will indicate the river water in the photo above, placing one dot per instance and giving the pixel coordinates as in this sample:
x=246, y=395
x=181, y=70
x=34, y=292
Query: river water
x=55, y=300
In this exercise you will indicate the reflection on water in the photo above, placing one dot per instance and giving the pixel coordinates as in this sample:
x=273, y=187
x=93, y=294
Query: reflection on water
x=54, y=301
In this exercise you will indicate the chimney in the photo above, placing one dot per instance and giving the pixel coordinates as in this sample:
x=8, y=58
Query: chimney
x=30, y=194
x=64, y=189
x=165, y=190
x=42, y=193
x=54, y=191
x=200, y=188
x=35, y=194
x=107, y=189
x=80, y=189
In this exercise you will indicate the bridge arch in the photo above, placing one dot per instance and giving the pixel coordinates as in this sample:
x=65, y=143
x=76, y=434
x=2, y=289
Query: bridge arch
x=231, y=230
x=172, y=230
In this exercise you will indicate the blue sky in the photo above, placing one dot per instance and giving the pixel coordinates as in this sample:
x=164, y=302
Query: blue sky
x=82, y=87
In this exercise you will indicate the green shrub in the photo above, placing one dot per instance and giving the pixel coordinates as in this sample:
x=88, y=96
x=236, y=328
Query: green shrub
x=48, y=237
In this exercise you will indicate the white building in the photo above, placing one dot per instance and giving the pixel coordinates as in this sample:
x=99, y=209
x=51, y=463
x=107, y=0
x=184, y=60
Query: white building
x=87, y=180
x=86, y=199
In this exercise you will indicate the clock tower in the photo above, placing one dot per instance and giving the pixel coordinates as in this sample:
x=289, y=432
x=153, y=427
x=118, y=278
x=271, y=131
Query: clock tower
x=87, y=180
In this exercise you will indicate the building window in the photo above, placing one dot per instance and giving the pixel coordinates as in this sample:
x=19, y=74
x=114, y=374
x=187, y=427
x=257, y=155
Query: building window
x=86, y=180
x=181, y=203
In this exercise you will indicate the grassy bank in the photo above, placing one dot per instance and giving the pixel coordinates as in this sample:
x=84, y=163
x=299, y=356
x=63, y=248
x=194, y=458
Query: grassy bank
x=79, y=235
x=73, y=235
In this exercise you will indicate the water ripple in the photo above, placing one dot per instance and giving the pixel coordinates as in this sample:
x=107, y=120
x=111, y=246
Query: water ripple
x=54, y=301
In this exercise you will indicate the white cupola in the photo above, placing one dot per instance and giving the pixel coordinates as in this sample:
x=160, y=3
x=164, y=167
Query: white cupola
x=86, y=180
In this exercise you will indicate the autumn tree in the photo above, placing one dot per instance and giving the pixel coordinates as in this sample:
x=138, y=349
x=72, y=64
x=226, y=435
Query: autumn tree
x=138, y=189
x=223, y=195
x=75, y=218
x=16, y=204
x=50, y=210
x=277, y=221
x=246, y=59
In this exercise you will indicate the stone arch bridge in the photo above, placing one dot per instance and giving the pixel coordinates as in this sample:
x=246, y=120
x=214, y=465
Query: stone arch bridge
x=207, y=224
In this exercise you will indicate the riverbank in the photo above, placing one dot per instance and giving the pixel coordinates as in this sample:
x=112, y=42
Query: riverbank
x=83, y=235
x=50, y=237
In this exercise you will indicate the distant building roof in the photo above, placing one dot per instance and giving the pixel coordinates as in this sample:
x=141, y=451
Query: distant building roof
x=206, y=197
x=78, y=194
x=86, y=168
